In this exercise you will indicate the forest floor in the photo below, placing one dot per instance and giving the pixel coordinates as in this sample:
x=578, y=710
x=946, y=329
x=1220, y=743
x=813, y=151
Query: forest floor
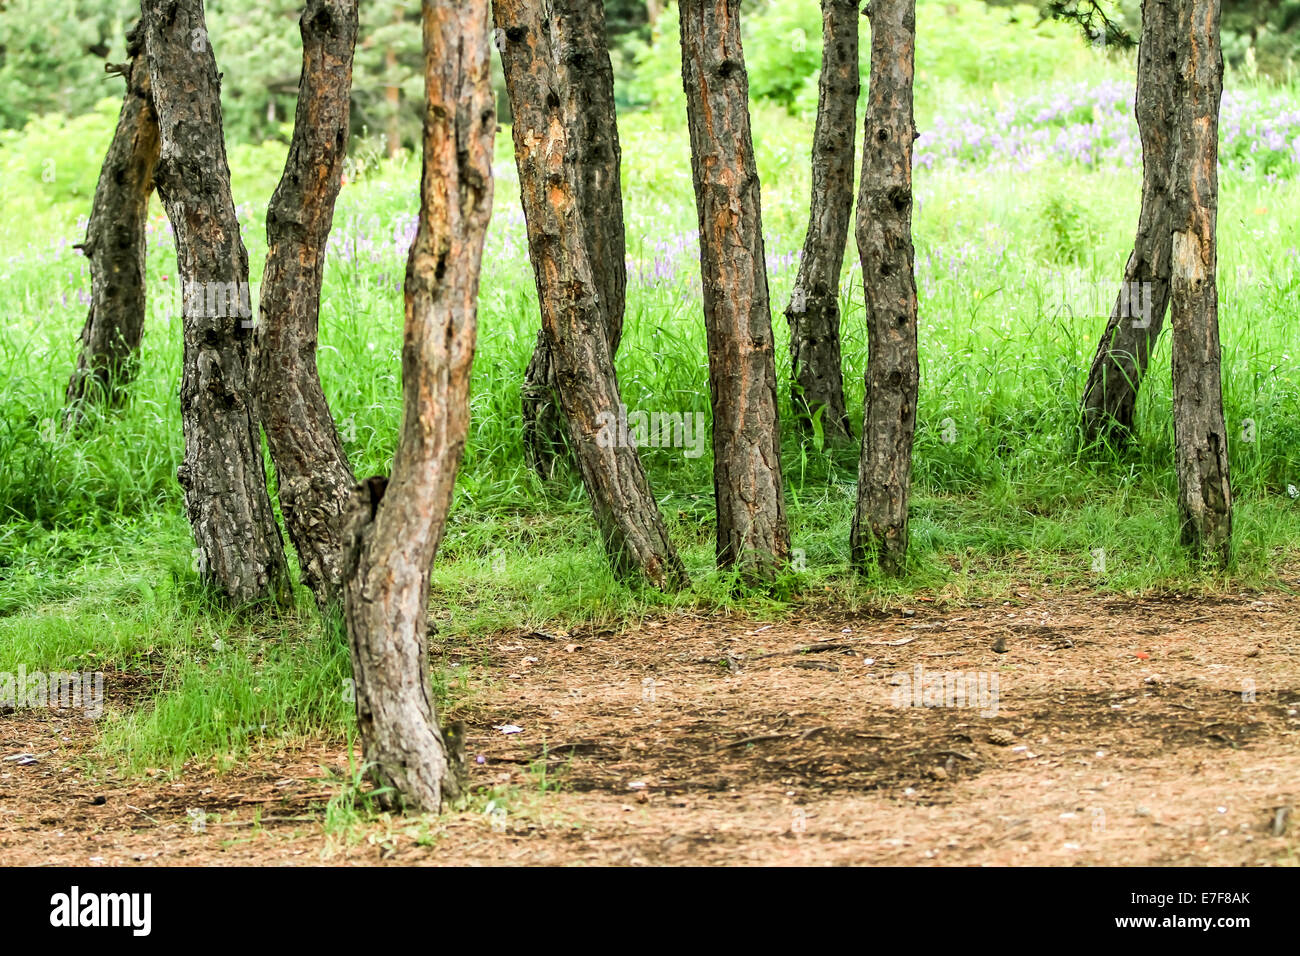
x=1156, y=730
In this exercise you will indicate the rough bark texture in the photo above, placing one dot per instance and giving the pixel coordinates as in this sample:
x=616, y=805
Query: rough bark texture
x=547, y=155
x=239, y=545
x=884, y=232
x=314, y=478
x=115, y=244
x=585, y=81
x=752, y=531
x=1200, y=437
x=395, y=526
x=817, y=380
x=1110, y=396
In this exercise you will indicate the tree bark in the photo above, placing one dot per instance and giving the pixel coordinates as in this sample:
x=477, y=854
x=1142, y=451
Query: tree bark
x=1200, y=436
x=586, y=84
x=884, y=233
x=817, y=381
x=574, y=323
x=396, y=525
x=752, y=532
x=239, y=545
x=115, y=245
x=1110, y=396
x=314, y=478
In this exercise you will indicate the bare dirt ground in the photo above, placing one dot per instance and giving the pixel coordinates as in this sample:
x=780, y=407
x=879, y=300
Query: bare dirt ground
x=1149, y=731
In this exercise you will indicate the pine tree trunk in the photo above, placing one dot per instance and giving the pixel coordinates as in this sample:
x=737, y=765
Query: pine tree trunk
x=1110, y=396
x=752, y=532
x=586, y=79
x=573, y=321
x=239, y=546
x=1200, y=437
x=884, y=232
x=115, y=245
x=395, y=526
x=314, y=478
x=817, y=381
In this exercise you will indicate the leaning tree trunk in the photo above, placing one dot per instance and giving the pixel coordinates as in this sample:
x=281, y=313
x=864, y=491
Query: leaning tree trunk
x=239, y=545
x=395, y=527
x=586, y=79
x=1110, y=396
x=574, y=323
x=314, y=478
x=115, y=245
x=752, y=532
x=884, y=231
x=817, y=381
x=1200, y=437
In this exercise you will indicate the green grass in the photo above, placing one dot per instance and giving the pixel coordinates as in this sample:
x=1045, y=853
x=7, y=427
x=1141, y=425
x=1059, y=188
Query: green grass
x=96, y=567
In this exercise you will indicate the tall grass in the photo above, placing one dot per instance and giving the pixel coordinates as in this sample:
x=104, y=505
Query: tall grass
x=96, y=560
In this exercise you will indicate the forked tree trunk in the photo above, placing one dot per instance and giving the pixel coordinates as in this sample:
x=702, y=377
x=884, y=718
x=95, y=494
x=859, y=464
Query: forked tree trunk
x=1110, y=396
x=752, y=532
x=394, y=531
x=115, y=245
x=239, y=545
x=817, y=380
x=1200, y=437
x=547, y=156
x=314, y=478
x=586, y=84
x=884, y=232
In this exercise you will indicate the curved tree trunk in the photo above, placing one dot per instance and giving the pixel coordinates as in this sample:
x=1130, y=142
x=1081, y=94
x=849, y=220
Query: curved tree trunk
x=395, y=526
x=1110, y=396
x=574, y=323
x=1200, y=436
x=884, y=232
x=586, y=78
x=752, y=532
x=115, y=245
x=314, y=478
x=817, y=380
x=239, y=545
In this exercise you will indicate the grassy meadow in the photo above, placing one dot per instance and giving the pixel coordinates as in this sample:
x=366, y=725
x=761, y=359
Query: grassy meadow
x=1027, y=193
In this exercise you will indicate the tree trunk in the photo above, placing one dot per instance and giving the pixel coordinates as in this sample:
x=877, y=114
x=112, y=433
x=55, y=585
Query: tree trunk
x=817, y=381
x=586, y=80
x=395, y=526
x=884, y=232
x=1200, y=437
x=1110, y=396
x=239, y=545
x=314, y=478
x=752, y=533
x=115, y=245
x=573, y=320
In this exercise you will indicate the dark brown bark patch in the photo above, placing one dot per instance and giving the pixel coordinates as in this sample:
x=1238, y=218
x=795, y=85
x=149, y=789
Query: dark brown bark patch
x=752, y=531
x=115, y=245
x=1122, y=356
x=313, y=474
x=1200, y=436
x=884, y=233
x=585, y=80
x=817, y=379
x=574, y=324
x=395, y=525
x=238, y=542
